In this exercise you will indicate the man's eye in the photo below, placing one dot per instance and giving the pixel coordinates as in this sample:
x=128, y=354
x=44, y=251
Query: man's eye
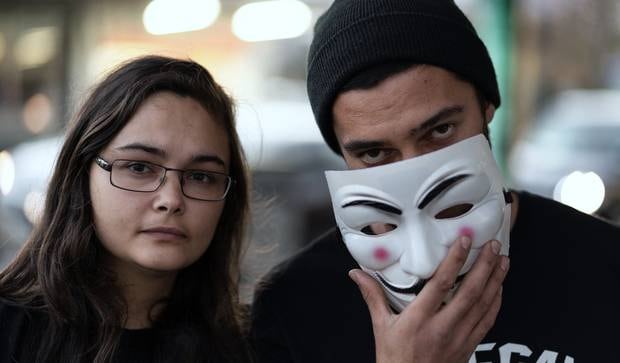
x=442, y=131
x=373, y=156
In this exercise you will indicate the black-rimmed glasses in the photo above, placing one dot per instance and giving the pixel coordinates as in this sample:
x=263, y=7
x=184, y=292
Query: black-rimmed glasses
x=144, y=177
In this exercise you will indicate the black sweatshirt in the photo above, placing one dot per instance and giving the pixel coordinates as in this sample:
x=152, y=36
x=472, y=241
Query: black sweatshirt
x=561, y=297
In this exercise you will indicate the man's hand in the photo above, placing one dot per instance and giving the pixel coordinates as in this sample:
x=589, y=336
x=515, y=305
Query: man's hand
x=429, y=331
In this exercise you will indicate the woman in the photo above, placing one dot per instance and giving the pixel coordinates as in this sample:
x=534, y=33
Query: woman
x=136, y=257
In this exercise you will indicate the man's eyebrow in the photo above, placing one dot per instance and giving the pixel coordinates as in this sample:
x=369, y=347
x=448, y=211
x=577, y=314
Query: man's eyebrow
x=440, y=188
x=375, y=204
x=436, y=118
x=355, y=145
x=200, y=158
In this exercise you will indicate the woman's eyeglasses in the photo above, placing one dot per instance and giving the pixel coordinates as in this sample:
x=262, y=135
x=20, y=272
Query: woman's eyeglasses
x=142, y=176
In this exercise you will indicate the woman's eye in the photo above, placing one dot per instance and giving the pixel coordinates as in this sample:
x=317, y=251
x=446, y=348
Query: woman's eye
x=373, y=156
x=442, y=131
x=140, y=168
x=200, y=177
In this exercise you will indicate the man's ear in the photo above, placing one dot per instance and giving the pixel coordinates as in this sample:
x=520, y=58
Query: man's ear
x=489, y=112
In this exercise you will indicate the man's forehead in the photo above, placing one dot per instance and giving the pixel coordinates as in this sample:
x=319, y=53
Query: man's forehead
x=418, y=92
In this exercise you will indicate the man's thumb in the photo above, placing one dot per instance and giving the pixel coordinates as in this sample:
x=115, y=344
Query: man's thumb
x=372, y=294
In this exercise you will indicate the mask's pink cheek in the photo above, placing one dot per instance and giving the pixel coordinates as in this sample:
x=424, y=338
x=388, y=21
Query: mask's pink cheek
x=381, y=254
x=467, y=231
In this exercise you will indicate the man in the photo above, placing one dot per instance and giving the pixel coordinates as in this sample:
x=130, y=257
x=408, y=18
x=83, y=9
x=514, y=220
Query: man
x=390, y=81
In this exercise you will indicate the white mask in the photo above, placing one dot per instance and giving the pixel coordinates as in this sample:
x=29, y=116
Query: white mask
x=408, y=203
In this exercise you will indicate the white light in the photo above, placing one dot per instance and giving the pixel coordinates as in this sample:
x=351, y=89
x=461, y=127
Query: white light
x=36, y=47
x=270, y=20
x=582, y=191
x=7, y=172
x=33, y=206
x=37, y=113
x=177, y=16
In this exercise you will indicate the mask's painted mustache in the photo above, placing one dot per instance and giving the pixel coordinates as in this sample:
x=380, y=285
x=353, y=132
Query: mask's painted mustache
x=413, y=289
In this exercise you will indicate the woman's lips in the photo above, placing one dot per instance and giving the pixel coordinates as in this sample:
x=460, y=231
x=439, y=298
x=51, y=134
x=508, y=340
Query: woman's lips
x=165, y=233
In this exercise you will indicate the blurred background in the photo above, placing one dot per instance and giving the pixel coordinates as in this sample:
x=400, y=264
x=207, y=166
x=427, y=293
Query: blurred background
x=557, y=132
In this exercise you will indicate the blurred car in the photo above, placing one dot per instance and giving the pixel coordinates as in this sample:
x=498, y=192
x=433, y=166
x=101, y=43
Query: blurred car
x=572, y=152
x=24, y=171
x=25, y=179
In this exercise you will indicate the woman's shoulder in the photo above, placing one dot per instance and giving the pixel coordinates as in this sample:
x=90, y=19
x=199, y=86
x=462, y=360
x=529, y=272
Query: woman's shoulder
x=10, y=311
x=15, y=320
x=15, y=316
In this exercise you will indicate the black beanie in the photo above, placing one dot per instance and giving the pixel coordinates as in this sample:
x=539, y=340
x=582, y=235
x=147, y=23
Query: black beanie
x=353, y=35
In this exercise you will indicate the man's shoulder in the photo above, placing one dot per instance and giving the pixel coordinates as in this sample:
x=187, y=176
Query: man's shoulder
x=308, y=309
x=555, y=249
x=562, y=263
x=324, y=256
x=556, y=218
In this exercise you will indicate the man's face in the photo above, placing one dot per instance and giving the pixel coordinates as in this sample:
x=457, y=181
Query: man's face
x=417, y=111
x=399, y=220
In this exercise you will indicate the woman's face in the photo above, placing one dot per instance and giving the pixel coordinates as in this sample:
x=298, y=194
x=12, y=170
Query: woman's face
x=160, y=231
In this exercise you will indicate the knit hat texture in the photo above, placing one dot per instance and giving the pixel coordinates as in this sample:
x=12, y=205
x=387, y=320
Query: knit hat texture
x=353, y=35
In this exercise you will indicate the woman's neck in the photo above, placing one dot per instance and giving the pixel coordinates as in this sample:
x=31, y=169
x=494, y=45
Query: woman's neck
x=141, y=290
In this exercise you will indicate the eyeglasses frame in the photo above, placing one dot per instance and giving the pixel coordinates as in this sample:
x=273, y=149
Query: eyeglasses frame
x=107, y=166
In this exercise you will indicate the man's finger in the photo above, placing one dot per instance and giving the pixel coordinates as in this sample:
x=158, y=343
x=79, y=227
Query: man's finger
x=436, y=289
x=485, y=303
x=472, y=288
x=373, y=295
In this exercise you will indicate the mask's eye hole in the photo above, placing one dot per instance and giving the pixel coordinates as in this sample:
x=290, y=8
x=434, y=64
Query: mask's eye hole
x=374, y=229
x=454, y=211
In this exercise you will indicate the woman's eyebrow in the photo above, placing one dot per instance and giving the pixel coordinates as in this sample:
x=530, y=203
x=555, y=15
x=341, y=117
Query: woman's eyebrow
x=143, y=147
x=440, y=188
x=200, y=158
x=375, y=204
x=208, y=158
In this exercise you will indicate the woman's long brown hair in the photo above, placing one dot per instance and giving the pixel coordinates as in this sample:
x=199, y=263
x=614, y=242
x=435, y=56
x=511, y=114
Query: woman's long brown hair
x=59, y=275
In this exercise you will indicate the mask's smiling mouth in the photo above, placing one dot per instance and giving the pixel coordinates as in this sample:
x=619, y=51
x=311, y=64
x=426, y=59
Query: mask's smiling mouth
x=415, y=289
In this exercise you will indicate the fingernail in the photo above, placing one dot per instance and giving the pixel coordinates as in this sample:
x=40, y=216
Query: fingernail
x=504, y=263
x=495, y=246
x=465, y=242
x=467, y=231
x=353, y=275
